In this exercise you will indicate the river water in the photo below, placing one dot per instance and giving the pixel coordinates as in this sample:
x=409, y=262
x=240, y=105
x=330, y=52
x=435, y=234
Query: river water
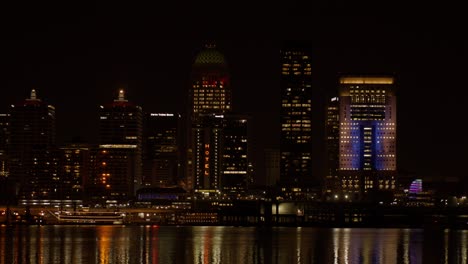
x=213, y=244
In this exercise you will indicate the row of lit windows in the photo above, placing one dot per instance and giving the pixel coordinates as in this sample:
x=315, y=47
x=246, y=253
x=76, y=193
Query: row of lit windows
x=296, y=125
x=295, y=105
x=209, y=106
x=366, y=91
x=208, y=90
x=297, y=73
x=211, y=93
x=207, y=99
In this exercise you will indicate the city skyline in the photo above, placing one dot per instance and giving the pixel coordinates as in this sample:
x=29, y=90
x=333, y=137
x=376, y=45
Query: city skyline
x=76, y=68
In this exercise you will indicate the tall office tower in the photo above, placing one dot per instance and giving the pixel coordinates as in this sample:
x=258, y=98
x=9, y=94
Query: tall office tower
x=4, y=132
x=332, y=183
x=119, y=158
x=5, y=191
x=222, y=154
x=207, y=150
x=296, y=99
x=236, y=174
x=209, y=94
x=272, y=166
x=367, y=155
x=73, y=171
x=30, y=149
x=162, y=157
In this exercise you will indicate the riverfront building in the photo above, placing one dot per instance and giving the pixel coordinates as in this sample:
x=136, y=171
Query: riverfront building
x=367, y=140
x=295, y=118
x=116, y=164
x=30, y=149
x=209, y=99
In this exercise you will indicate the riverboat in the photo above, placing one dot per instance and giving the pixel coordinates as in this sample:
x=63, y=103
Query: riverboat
x=91, y=217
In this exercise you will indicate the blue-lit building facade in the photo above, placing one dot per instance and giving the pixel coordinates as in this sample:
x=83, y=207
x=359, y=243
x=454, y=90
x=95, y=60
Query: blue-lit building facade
x=367, y=140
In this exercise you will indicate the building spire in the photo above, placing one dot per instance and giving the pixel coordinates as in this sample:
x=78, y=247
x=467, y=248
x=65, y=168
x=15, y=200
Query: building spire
x=33, y=94
x=121, y=97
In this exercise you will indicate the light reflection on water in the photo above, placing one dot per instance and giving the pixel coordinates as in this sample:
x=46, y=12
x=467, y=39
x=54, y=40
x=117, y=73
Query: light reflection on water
x=152, y=244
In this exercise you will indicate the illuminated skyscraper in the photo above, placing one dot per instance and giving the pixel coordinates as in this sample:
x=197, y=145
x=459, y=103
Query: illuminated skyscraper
x=332, y=183
x=6, y=190
x=73, y=170
x=162, y=135
x=117, y=163
x=367, y=152
x=207, y=150
x=30, y=146
x=236, y=175
x=210, y=91
x=209, y=95
x=296, y=100
x=4, y=132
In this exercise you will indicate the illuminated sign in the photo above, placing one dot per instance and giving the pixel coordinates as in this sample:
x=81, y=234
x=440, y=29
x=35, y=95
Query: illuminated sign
x=124, y=146
x=207, y=160
x=161, y=114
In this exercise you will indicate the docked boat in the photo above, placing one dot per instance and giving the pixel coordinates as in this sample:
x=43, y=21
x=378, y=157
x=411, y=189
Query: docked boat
x=96, y=218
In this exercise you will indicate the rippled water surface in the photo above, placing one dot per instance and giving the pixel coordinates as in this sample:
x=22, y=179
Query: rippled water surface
x=152, y=244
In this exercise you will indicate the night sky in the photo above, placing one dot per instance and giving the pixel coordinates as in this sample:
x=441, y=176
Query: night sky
x=77, y=57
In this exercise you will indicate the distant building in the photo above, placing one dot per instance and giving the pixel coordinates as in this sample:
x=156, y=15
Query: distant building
x=210, y=92
x=4, y=135
x=73, y=171
x=112, y=174
x=272, y=166
x=6, y=189
x=332, y=183
x=117, y=162
x=295, y=116
x=162, y=153
x=236, y=154
x=368, y=121
x=30, y=150
x=207, y=151
x=209, y=96
x=222, y=154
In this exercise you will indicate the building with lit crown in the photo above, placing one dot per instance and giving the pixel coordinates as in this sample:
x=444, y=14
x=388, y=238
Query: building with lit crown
x=30, y=150
x=116, y=164
x=367, y=140
x=209, y=96
x=295, y=118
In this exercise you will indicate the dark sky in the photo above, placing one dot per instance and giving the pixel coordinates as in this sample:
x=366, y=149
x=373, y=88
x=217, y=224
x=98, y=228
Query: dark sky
x=78, y=56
